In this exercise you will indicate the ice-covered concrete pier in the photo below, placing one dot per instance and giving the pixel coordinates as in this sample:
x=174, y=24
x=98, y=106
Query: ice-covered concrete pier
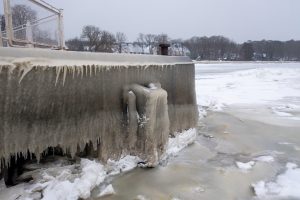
x=121, y=104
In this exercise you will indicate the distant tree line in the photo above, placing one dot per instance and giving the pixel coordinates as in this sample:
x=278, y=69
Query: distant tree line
x=199, y=48
x=94, y=39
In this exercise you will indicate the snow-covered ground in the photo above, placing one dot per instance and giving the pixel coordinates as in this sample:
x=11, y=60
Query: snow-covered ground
x=274, y=84
x=286, y=185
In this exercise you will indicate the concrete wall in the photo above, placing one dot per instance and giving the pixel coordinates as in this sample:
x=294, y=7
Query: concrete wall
x=50, y=98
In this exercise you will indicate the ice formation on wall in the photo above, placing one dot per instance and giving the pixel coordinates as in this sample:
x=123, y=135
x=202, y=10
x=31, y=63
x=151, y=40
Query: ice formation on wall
x=46, y=101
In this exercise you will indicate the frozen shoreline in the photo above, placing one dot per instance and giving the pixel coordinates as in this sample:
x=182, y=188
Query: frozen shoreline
x=75, y=181
x=251, y=140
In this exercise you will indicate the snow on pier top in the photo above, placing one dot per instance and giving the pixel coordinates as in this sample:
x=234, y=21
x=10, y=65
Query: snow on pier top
x=56, y=58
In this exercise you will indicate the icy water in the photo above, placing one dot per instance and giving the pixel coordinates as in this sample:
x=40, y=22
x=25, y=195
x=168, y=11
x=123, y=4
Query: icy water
x=248, y=131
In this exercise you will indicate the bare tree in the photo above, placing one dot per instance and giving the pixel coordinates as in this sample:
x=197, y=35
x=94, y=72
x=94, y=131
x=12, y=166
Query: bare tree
x=97, y=40
x=177, y=48
x=2, y=24
x=151, y=42
x=140, y=41
x=107, y=42
x=92, y=35
x=163, y=38
x=75, y=44
x=21, y=14
x=120, y=40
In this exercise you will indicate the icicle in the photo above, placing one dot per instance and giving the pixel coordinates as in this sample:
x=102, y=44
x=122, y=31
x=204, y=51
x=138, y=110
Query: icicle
x=73, y=68
x=90, y=68
x=95, y=69
x=57, y=74
x=25, y=70
x=81, y=71
x=94, y=145
x=73, y=150
x=65, y=70
x=37, y=154
x=11, y=69
x=85, y=67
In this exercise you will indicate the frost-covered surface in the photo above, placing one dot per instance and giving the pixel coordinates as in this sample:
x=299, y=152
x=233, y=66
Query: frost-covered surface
x=109, y=190
x=286, y=185
x=76, y=181
x=125, y=164
x=251, y=83
x=43, y=57
x=61, y=186
x=245, y=166
x=70, y=182
x=180, y=141
x=267, y=159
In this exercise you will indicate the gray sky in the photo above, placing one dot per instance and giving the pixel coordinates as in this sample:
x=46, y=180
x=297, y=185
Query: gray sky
x=238, y=20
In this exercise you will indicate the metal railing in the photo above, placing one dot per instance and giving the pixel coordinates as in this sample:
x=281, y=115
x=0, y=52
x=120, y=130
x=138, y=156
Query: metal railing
x=8, y=35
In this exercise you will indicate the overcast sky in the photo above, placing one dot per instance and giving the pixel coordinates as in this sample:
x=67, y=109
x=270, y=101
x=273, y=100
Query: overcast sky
x=239, y=20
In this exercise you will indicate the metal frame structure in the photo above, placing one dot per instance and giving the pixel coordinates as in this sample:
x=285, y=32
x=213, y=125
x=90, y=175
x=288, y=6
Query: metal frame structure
x=9, y=29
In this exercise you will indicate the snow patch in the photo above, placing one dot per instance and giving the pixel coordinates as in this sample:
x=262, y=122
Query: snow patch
x=141, y=197
x=109, y=190
x=267, y=159
x=260, y=85
x=286, y=185
x=180, y=141
x=125, y=164
x=152, y=86
x=245, y=166
x=64, y=188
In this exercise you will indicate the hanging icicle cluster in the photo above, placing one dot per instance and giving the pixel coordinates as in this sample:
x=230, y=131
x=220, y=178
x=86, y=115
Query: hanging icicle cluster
x=69, y=106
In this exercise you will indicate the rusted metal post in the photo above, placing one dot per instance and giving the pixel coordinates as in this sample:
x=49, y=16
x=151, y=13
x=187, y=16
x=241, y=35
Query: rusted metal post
x=164, y=49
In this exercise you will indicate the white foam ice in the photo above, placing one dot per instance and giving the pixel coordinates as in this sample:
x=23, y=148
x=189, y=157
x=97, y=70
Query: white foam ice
x=125, y=164
x=286, y=110
x=245, y=166
x=180, y=141
x=109, y=190
x=71, y=182
x=65, y=186
x=249, y=85
x=286, y=185
x=140, y=197
x=76, y=181
x=267, y=159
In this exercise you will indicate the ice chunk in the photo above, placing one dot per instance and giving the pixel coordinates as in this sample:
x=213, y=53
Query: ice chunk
x=180, y=141
x=286, y=185
x=125, y=164
x=64, y=188
x=109, y=190
x=245, y=166
x=140, y=197
x=267, y=159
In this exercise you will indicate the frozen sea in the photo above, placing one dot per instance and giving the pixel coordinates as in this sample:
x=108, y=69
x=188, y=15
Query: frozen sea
x=246, y=146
